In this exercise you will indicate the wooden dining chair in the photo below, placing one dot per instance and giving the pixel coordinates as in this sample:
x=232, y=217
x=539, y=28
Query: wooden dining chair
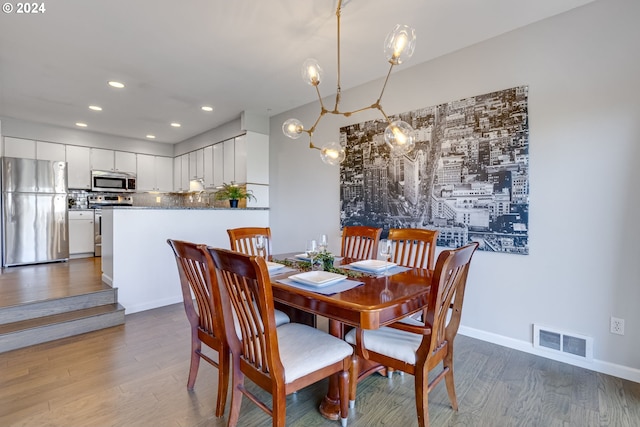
x=206, y=320
x=243, y=240
x=280, y=362
x=360, y=242
x=413, y=247
x=417, y=347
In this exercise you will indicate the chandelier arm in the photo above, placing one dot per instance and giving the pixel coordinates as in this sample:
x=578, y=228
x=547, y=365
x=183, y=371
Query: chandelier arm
x=322, y=113
x=384, y=86
x=370, y=107
x=379, y=107
x=322, y=107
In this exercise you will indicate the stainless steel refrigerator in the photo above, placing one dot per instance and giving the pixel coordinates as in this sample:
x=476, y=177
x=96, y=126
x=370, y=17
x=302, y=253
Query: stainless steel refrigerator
x=35, y=224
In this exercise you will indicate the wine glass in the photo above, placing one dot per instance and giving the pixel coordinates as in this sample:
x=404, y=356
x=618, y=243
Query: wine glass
x=385, y=252
x=323, y=243
x=312, y=250
x=261, y=242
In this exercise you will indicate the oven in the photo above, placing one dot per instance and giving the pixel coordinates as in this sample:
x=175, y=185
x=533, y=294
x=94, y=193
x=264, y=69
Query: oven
x=97, y=202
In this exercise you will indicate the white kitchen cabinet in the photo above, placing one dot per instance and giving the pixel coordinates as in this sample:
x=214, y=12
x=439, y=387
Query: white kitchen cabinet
x=81, y=233
x=229, y=161
x=78, y=167
x=19, y=147
x=240, y=159
x=164, y=173
x=146, y=172
x=218, y=164
x=110, y=160
x=181, y=173
x=125, y=162
x=184, y=174
x=102, y=159
x=207, y=165
x=50, y=151
x=155, y=173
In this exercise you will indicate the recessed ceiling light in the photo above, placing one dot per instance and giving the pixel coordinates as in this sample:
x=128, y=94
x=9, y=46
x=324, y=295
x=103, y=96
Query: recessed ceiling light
x=176, y=125
x=207, y=108
x=115, y=84
x=95, y=108
x=151, y=136
x=82, y=125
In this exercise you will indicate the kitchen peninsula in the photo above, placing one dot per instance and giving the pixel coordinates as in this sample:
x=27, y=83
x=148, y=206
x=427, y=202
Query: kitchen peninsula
x=137, y=260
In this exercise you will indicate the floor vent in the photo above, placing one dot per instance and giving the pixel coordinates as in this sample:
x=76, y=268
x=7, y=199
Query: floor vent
x=572, y=344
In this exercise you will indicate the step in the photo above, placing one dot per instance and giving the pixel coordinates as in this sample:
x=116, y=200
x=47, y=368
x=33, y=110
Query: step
x=49, y=307
x=62, y=325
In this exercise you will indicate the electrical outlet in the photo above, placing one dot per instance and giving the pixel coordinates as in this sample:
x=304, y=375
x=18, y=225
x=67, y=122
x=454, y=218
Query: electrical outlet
x=617, y=326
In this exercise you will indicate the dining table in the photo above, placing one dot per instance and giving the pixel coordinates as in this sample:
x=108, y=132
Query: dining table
x=379, y=298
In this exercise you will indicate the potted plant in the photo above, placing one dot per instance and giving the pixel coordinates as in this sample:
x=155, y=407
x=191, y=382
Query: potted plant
x=233, y=192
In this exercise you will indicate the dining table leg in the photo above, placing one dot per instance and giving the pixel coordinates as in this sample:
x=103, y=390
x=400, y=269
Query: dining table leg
x=330, y=405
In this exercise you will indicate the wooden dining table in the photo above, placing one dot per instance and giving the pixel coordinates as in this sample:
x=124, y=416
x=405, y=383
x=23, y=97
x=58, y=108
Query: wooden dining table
x=379, y=301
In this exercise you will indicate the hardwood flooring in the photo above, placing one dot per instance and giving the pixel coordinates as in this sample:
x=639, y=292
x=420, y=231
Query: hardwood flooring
x=136, y=374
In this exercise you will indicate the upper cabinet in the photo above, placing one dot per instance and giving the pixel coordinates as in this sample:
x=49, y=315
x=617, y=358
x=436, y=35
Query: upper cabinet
x=155, y=173
x=110, y=160
x=50, y=151
x=78, y=167
x=18, y=147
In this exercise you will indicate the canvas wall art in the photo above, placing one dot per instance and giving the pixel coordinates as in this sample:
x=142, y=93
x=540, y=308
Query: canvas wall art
x=467, y=176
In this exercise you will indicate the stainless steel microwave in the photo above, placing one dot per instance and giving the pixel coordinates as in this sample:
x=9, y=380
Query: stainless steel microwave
x=117, y=182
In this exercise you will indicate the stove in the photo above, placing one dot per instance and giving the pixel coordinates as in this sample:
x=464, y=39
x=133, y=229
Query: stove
x=96, y=202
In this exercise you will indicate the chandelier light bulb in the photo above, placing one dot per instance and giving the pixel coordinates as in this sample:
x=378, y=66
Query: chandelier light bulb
x=333, y=154
x=400, y=44
x=399, y=137
x=292, y=128
x=312, y=72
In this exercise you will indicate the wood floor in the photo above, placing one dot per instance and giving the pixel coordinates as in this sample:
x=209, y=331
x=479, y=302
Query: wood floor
x=135, y=375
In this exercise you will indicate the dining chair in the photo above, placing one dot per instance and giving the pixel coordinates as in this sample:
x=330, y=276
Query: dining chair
x=206, y=321
x=243, y=239
x=418, y=347
x=413, y=247
x=360, y=242
x=279, y=361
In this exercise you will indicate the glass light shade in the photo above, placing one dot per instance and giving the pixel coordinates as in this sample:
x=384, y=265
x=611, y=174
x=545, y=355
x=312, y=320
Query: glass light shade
x=292, y=128
x=333, y=153
x=399, y=136
x=312, y=72
x=400, y=44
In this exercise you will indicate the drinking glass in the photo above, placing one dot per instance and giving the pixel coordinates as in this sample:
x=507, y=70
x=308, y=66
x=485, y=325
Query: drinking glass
x=385, y=252
x=324, y=243
x=261, y=242
x=312, y=250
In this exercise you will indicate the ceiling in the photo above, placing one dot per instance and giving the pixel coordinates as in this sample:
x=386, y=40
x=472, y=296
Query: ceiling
x=234, y=55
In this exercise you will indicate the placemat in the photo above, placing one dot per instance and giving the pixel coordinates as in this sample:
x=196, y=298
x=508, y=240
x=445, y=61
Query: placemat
x=341, y=286
x=390, y=272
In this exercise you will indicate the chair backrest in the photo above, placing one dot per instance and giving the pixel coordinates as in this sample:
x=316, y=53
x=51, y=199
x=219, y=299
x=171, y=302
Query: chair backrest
x=414, y=247
x=360, y=242
x=246, y=290
x=447, y=293
x=243, y=240
x=196, y=276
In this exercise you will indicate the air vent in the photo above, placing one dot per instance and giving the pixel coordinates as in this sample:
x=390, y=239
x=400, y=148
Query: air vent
x=564, y=342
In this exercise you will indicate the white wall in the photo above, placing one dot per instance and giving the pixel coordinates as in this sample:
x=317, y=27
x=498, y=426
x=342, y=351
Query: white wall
x=583, y=73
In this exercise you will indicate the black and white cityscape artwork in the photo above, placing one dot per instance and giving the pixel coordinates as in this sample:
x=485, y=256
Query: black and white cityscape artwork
x=467, y=177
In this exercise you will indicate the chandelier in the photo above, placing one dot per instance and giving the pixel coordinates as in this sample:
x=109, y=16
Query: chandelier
x=398, y=47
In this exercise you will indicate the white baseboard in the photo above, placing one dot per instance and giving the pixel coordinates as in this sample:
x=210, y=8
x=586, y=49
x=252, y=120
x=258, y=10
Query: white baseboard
x=134, y=308
x=603, y=367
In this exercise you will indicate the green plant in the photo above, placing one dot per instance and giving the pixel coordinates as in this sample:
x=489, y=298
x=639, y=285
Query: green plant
x=234, y=192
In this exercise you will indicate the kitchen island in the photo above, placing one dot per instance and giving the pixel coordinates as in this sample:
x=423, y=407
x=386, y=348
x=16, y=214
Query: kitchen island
x=137, y=260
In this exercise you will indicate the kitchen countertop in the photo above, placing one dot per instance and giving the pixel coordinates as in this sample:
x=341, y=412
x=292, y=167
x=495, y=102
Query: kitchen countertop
x=185, y=207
